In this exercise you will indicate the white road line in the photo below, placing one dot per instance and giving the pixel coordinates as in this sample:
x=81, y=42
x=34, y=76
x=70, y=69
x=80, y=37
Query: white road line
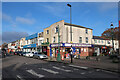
x=97, y=69
x=34, y=73
x=18, y=76
x=48, y=70
x=76, y=69
x=79, y=66
x=82, y=73
x=107, y=71
x=63, y=66
x=61, y=69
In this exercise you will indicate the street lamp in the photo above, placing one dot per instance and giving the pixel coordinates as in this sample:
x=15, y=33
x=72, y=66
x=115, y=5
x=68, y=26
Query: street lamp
x=70, y=21
x=70, y=28
x=112, y=27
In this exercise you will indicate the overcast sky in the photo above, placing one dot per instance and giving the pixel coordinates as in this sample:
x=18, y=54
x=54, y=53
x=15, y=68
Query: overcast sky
x=25, y=18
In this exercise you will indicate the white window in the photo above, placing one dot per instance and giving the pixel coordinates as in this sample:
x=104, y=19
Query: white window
x=53, y=39
x=80, y=39
x=95, y=41
x=56, y=29
x=47, y=31
x=86, y=39
x=108, y=42
x=102, y=41
x=86, y=31
x=99, y=41
x=47, y=40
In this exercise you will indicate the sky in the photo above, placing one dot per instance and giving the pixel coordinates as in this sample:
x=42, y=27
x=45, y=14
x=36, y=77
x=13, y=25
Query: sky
x=20, y=19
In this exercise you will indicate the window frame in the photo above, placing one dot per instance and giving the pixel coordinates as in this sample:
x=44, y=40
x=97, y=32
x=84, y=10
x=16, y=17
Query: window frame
x=86, y=39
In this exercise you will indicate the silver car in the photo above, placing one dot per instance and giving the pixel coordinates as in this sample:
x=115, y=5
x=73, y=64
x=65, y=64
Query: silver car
x=40, y=55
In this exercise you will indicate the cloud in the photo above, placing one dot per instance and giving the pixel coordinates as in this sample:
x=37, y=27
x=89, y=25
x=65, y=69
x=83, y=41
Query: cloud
x=56, y=9
x=25, y=20
x=12, y=36
x=6, y=17
x=108, y=6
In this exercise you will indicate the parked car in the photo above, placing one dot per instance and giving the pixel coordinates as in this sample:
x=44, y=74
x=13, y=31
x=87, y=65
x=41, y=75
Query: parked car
x=40, y=55
x=21, y=54
x=29, y=54
x=17, y=52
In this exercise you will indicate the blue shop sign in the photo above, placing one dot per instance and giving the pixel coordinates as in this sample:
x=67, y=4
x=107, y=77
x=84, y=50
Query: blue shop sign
x=30, y=46
x=31, y=36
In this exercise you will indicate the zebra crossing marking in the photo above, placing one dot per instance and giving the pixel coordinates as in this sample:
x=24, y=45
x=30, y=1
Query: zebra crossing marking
x=34, y=73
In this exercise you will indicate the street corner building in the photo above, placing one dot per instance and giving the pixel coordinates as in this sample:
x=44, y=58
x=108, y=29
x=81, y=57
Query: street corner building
x=57, y=38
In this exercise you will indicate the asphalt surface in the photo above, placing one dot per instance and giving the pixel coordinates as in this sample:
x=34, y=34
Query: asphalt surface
x=23, y=68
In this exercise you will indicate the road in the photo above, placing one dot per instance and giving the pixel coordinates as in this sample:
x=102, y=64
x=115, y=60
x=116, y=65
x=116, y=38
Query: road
x=23, y=68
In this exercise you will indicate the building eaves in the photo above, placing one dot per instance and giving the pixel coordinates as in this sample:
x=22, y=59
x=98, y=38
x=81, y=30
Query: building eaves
x=76, y=25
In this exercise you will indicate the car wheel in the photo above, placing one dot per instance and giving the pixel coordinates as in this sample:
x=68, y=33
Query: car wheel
x=39, y=58
x=34, y=57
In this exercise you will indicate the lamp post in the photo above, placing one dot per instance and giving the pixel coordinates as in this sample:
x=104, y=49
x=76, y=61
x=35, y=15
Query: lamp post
x=70, y=29
x=112, y=27
x=70, y=21
x=58, y=56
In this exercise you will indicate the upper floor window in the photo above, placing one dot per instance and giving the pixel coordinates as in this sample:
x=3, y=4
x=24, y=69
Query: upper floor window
x=47, y=40
x=108, y=42
x=86, y=39
x=99, y=41
x=102, y=41
x=53, y=39
x=80, y=39
x=86, y=31
x=47, y=31
x=57, y=29
x=95, y=41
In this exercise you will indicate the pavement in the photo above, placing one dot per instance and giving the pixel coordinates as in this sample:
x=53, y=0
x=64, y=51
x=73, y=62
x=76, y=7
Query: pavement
x=103, y=63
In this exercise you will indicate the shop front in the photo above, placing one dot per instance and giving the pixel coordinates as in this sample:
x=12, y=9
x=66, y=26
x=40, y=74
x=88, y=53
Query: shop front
x=46, y=48
x=79, y=50
x=30, y=48
x=101, y=50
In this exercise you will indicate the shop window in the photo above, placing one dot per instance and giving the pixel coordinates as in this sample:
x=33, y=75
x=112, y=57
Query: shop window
x=85, y=50
x=86, y=39
x=80, y=39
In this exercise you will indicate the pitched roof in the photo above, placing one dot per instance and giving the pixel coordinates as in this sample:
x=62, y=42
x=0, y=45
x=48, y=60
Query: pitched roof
x=76, y=25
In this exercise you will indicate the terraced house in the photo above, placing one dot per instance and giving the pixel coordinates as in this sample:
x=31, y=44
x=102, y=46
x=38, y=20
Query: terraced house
x=83, y=42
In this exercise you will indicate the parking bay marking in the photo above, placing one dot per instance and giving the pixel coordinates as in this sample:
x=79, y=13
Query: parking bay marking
x=50, y=71
x=61, y=69
x=18, y=76
x=79, y=66
x=34, y=73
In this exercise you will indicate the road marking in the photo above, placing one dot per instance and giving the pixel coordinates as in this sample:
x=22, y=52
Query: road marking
x=34, y=73
x=61, y=69
x=82, y=73
x=18, y=76
x=97, y=69
x=63, y=66
x=76, y=69
x=48, y=70
x=79, y=66
x=107, y=71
